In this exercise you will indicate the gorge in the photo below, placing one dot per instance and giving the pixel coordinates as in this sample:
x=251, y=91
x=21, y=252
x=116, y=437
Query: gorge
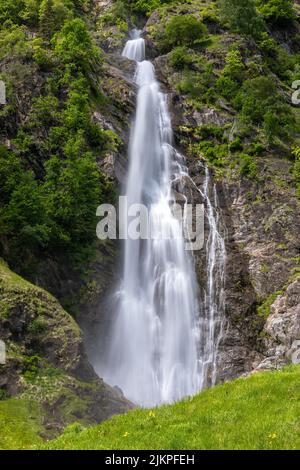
x=197, y=110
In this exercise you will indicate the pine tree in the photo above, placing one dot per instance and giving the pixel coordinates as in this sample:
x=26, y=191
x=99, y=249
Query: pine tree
x=46, y=18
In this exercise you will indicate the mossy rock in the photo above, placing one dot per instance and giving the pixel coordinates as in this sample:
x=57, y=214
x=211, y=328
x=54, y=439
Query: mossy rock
x=45, y=359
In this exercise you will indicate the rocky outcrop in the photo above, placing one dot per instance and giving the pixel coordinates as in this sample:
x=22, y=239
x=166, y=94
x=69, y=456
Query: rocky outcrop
x=45, y=358
x=282, y=329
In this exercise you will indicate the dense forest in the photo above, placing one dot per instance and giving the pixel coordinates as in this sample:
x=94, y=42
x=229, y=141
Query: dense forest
x=231, y=69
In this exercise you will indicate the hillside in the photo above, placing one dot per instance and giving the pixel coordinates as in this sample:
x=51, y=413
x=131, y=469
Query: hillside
x=260, y=412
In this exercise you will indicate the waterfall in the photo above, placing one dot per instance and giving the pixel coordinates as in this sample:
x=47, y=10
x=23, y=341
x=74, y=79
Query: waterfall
x=161, y=344
x=212, y=318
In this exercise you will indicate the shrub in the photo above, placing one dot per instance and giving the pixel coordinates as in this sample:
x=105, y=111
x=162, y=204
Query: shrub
x=184, y=30
x=260, y=102
x=73, y=45
x=10, y=10
x=53, y=14
x=248, y=166
x=22, y=216
x=280, y=12
x=180, y=57
x=241, y=17
x=296, y=169
x=145, y=7
x=234, y=67
x=227, y=87
x=236, y=145
x=232, y=76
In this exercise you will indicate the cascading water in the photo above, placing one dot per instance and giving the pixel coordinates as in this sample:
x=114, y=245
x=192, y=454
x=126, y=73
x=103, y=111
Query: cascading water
x=157, y=353
x=212, y=318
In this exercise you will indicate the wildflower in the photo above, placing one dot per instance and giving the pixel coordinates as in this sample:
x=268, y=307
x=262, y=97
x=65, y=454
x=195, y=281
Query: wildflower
x=152, y=414
x=126, y=434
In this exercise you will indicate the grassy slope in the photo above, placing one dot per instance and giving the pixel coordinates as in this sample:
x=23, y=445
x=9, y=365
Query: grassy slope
x=20, y=424
x=261, y=412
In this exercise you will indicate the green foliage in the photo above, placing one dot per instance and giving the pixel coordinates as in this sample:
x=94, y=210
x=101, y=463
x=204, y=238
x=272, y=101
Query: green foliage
x=184, y=30
x=248, y=166
x=215, y=419
x=278, y=59
x=30, y=367
x=198, y=85
x=296, y=169
x=22, y=217
x=11, y=10
x=29, y=13
x=73, y=218
x=50, y=184
x=145, y=7
x=277, y=12
x=236, y=145
x=264, y=309
x=260, y=102
x=74, y=45
x=232, y=75
x=241, y=17
x=214, y=153
x=53, y=14
x=180, y=57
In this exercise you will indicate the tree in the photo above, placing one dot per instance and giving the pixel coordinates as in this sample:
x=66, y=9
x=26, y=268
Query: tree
x=53, y=14
x=241, y=17
x=74, y=46
x=47, y=21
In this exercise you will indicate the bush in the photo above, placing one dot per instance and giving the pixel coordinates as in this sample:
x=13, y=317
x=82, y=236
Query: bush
x=232, y=76
x=277, y=12
x=73, y=45
x=184, y=30
x=11, y=10
x=22, y=215
x=260, y=102
x=144, y=7
x=180, y=57
x=296, y=169
x=241, y=17
x=248, y=166
x=53, y=14
x=236, y=145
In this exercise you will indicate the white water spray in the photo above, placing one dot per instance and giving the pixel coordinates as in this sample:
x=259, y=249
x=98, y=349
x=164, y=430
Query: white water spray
x=157, y=353
x=212, y=318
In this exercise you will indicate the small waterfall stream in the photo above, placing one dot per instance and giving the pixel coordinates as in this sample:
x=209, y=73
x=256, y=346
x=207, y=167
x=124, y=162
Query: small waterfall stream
x=163, y=341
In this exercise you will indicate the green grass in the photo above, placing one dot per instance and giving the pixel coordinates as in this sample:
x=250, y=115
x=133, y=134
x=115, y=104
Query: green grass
x=20, y=424
x=260, y=412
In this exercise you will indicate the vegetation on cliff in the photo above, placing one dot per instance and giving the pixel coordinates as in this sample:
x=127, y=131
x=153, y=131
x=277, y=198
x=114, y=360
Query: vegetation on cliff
x=45, y=363
x=51, y=183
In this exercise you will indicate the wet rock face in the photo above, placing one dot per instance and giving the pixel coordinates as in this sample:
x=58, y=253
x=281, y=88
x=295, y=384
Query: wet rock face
x=262, y=220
